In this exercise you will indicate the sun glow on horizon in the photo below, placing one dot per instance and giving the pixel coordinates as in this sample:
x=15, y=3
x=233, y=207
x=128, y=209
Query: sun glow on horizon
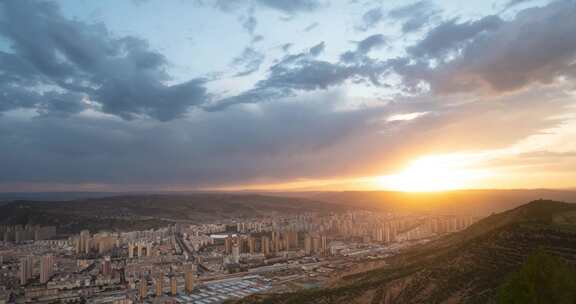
x=432, y=174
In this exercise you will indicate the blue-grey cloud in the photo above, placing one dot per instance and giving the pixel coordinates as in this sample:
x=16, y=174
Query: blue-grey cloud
x=121, y=75
x=363, y=47
x=452, y=35
x=311, y=26
x=249, y=61
x=414, y=16
x=317, y=49
x=513, y=3
x=250, y=22
x=288, y=7
x=286, y=47
x=239, y=145
x=291, y=6
x=371, y=18
x=230, y=146
x=304, y=72
x=537, y=46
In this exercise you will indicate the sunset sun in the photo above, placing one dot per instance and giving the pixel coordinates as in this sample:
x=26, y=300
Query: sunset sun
x=428, y=174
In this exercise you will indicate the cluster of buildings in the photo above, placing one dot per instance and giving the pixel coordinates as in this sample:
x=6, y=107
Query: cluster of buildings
x=23, y=233
x=46, y=268
x=202, y=263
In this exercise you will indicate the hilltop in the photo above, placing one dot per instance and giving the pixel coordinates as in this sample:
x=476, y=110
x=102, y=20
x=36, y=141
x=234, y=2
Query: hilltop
x=466, y=267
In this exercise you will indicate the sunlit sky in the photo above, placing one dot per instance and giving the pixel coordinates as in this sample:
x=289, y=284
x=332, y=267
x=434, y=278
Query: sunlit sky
x=179, y=95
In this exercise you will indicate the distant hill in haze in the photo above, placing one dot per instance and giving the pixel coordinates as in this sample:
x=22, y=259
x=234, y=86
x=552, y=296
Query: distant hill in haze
x=472, y=202
x=52, y=196
x=466, y=267
x=148, y=211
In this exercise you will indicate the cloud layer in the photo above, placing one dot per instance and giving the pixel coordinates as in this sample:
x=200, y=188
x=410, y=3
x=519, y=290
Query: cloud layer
x=81, y=104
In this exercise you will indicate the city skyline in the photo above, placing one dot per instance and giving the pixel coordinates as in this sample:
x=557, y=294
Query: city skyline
x=287, y=95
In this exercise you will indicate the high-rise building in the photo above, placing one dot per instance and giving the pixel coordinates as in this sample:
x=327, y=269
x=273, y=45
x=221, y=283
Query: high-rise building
x=106, y=266
x=159, y=284
x=316, y=245
x=251, y=245
x=189, y=280
x=149, y=249
x=265, y=245
x=26, y=265
x=173, y=286
x=84, y=242
x=131, y=250
x=143, y=290
x=105, y=244
x=308, y=244
x=139, y=249
x=324, y=249
x=46, y=268
x=275, y=242
x=236, y=253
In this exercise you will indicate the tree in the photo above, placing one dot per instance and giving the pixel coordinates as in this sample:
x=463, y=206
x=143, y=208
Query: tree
x=542, y=279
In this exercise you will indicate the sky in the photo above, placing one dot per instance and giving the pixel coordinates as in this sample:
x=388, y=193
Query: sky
x=174, y=95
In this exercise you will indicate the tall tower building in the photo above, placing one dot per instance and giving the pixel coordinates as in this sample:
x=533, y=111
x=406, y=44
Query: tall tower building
x=106, y=266
x=143, y=290
x=275, y=242
x=139, y=248
x=251, y=245
x=236, y=253
x=159, y=284
x=189, y=280
x=46, y=268
x=131, y=250
x=324, y=245
x=84, y=244
x=228, y=245
x=316, y=245
x=149, y=249
x=265, y=245
x=173, y=286
x=26, y=265
x=308, y=244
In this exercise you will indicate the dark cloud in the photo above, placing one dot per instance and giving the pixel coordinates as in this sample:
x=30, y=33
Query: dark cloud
x=363, y=47
x=74, y=61
x=451, y=35
x=303, y=72
x=286, y=46
x=256, y=39
x=317, y=49
x=371, y=18
x=370, y=43
x=293, y=123
x=513, y=3
x=311, y=26
x=415, y=16
x=537, y=46
x=214, y=148
x=240, y=145
x=250, y=61
x=291, y=6
x=250, y=22
x=288, y=7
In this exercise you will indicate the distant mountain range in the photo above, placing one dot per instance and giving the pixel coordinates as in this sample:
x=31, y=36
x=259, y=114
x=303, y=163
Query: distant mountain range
x=466, y=267
x=127, y=212
x=470, y=202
